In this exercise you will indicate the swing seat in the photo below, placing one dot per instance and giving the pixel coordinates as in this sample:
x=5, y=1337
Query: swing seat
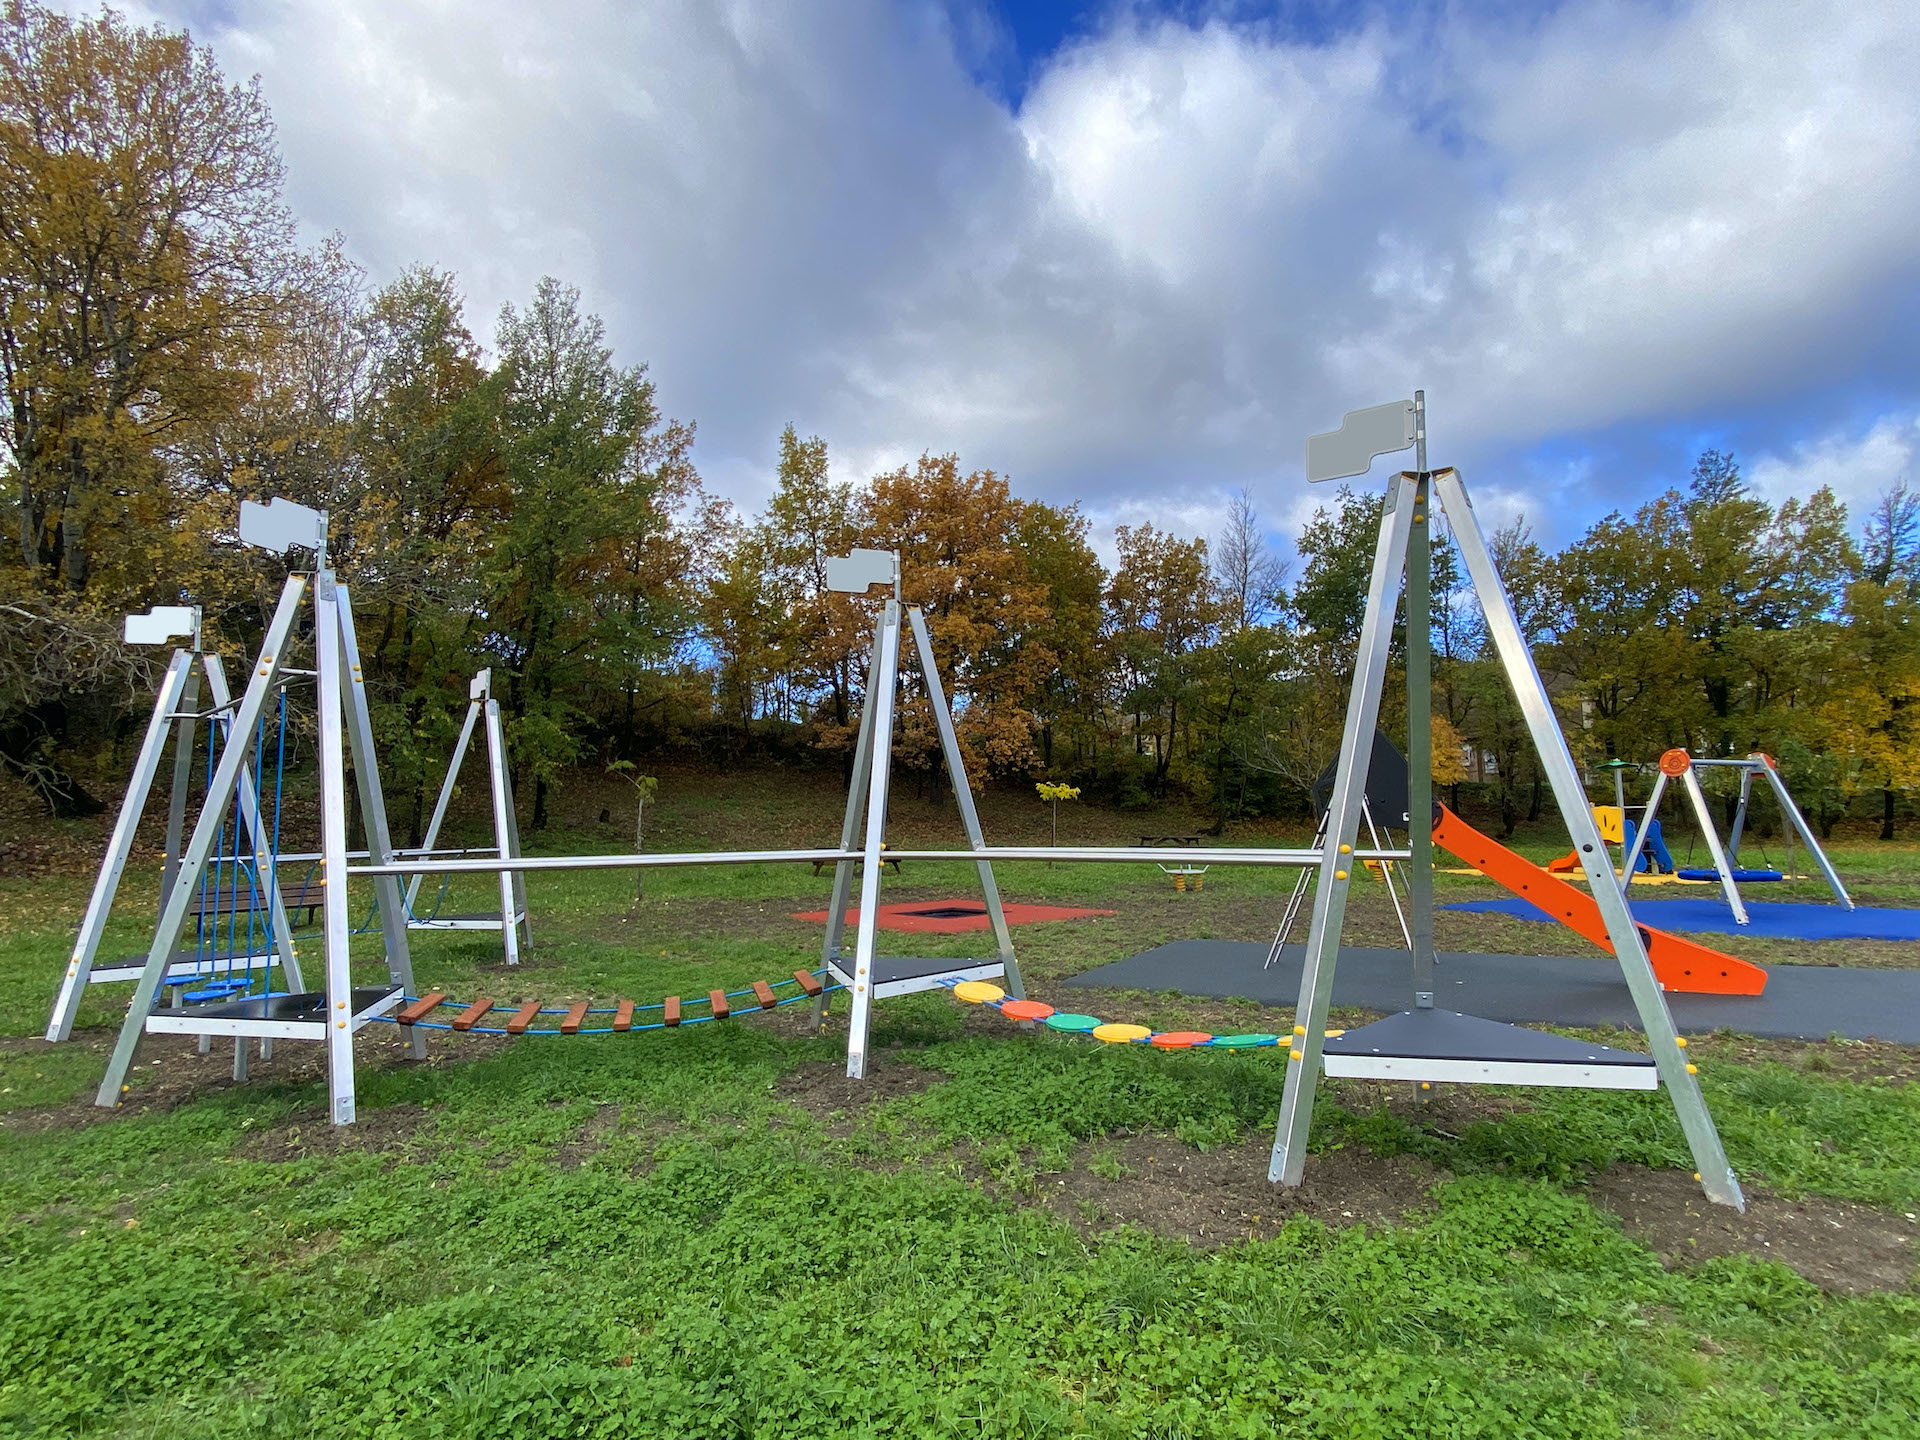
x=1740, y=877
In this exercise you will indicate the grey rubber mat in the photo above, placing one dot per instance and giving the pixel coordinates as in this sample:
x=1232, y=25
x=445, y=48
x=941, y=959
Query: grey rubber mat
x=1807, y=1002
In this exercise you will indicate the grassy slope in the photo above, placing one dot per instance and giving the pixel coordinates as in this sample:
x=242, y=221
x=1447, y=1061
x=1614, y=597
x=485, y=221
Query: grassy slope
x=644, y=1236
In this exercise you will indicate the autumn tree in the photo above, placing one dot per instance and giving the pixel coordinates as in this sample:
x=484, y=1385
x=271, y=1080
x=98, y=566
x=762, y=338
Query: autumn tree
x=958, y=538
x=1165, y=612
x=143, y=248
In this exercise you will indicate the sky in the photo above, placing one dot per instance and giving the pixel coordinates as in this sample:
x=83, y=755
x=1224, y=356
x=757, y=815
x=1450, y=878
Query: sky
x=1130, y=255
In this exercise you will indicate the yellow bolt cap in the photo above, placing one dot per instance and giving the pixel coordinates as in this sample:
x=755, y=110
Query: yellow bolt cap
x=1693, y=1069
x=1339, y=874
x=1346, y=849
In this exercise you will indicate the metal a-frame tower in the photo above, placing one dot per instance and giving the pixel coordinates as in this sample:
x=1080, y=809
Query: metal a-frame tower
x=332, y=1015
x=176, y=715
x=1425, y=1043
x=867, y=975
x=516, y=930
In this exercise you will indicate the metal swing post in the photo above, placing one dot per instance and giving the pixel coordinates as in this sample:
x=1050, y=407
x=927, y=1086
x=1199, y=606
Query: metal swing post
x=1420, y=719
x=1690, y=781
x=1663, y=1040
x=963, y=795
x=1343, y=826
x=373, y=804
x=93, y=924
x=506, y=827
x=850, y=825
x=1799, y=823
x=879, y=773
x=476, y=692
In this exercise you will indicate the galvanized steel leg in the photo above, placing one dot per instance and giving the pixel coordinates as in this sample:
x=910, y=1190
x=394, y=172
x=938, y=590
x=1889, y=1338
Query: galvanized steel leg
x=447, y=787
x=1701, y=813
x=850, y=826
x=73, y=985
x=1343, y=825
x=1799, y=822
x=337, y=922
x=880, y=701
x=1640, y=836
x=503, y=828
x=963, y=795
x=373, y=810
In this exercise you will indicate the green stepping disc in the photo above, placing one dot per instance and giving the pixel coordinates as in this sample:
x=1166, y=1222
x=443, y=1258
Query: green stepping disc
x=1244, y=1042
x=1058, y=1021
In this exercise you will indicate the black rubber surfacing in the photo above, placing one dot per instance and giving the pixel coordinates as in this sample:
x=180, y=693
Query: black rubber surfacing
x=1805, y=1002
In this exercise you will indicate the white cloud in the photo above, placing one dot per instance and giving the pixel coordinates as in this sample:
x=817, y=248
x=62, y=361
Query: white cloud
x=1189, y=247
x=1858, y=467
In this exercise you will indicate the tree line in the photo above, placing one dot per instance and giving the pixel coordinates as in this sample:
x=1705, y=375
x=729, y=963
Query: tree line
x=169, y=348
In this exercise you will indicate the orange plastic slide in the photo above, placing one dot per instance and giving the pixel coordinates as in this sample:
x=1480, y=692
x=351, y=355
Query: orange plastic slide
x=1678, y=964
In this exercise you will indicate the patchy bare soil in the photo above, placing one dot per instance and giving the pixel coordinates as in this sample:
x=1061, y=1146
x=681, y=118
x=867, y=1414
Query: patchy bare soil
x=383, y=1130
x=824, y=1091
x=1210, y=1198
x=1843, y=1248
x=169, y=1071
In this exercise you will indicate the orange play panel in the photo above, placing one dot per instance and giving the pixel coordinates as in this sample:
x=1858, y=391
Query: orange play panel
x=1678, y=964
x=953, y=917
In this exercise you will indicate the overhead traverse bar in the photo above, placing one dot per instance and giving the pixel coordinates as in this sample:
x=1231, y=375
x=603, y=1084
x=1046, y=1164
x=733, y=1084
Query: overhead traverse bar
x=1085, y=854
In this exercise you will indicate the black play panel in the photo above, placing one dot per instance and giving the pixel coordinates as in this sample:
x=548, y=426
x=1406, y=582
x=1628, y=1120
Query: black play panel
x=1807, y=1002
x=1448, y=1035
x=311, y=1006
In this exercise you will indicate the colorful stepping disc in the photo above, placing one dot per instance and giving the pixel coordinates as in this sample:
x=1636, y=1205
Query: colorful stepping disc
x=1026, y=1010
x=1060, y=1020
x=1179, y=1039
x=1120, y=1034
x=977, y=992
x=1244, y=1042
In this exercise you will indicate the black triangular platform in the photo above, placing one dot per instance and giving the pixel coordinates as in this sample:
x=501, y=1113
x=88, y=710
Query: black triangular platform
x=1445, y=1045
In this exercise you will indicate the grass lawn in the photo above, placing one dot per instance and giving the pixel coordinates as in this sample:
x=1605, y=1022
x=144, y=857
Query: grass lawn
x=712, y=1232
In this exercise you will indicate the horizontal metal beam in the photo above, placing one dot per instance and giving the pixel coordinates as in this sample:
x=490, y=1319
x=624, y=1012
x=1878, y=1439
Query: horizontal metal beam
x=607, y=862
x=1135, y=854
x=1092, y=854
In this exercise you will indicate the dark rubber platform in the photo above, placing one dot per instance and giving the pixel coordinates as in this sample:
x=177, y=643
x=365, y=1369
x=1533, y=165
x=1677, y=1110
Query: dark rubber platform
x=1801, y=1001
x=1783, y=919
x=307, y=1006
x=1446, y=1035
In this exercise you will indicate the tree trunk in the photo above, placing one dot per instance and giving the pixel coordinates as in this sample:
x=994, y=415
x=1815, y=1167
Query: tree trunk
x=1886, y=814
x=539, y=804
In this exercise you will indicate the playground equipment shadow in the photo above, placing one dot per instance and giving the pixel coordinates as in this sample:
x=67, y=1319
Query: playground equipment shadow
x=1803, y=1002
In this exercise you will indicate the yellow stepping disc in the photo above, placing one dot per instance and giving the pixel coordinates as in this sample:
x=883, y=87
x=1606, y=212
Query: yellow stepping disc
x=1120, y=1034
x=977, y=992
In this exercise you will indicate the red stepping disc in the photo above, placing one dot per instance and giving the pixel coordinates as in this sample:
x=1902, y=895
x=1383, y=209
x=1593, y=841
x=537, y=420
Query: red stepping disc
x=1180, y=1039
x=1025, y=1010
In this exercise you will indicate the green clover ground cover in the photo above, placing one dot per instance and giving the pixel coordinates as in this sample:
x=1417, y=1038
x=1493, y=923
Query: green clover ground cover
x=724, y=1264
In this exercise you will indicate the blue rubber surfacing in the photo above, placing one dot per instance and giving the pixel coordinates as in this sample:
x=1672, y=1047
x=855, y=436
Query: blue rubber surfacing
x=1781, y=919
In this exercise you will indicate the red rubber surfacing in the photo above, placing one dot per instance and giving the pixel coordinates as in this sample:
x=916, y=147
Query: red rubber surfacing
x=910, y=917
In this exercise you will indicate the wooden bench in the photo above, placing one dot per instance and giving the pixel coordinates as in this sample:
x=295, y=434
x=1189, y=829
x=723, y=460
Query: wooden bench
x=1184, y=841
x=859, y=866
x=307, y=895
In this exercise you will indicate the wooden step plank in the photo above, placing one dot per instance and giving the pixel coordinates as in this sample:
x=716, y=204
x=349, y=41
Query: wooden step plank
x=671, y=1010
x=523, y=1017
x=718, y=1000
x=808, y=982
x=421, y=1008
x=570, y=1022
x=471, y=1016
x=763, y=992
x=623, y=1017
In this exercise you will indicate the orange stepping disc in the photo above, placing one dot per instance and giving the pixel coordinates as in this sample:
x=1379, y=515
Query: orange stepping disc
x=1025, y=1010
x=1179, y=1039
